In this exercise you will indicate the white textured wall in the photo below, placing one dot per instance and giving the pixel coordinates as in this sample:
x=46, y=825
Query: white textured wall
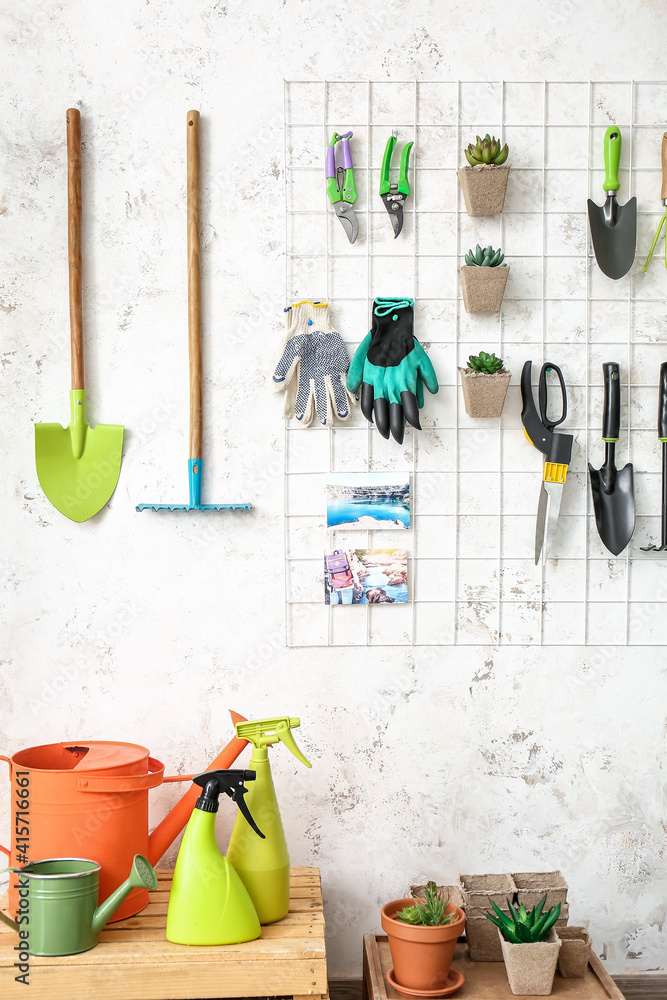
x=144, y=628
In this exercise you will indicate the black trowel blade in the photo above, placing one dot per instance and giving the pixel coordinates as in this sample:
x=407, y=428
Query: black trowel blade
x=614, y=244
x=614, y=506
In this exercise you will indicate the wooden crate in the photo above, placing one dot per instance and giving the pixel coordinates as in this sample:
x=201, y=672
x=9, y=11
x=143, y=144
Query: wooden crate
x=483, y=980
x=134, y=960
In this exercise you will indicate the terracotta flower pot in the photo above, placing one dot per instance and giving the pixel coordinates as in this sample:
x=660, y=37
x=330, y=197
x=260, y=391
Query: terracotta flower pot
x=483, y=287
x=574, y=952
x=484, y=396
x=531, y=967
x=484, y=188
x=422, y=956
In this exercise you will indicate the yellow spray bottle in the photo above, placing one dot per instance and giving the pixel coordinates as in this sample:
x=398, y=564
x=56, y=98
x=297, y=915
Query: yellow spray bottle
x=208, y=903
x=263, y=865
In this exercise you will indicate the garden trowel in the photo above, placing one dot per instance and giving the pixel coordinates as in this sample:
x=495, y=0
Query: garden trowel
x=613, y=226
x=613, y=489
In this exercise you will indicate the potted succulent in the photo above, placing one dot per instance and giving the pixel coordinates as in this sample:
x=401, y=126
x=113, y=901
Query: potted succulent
x=484, y=181
x=574, y=952
x=484, y=381
x=483, y=279
x=422, y=936
x=530, y=946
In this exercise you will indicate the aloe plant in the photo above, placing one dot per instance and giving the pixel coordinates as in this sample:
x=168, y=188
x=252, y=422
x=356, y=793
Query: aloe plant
x=487, y=257
x=486, y=364
x=522, y=927
x=429, y=911
x=486, y=151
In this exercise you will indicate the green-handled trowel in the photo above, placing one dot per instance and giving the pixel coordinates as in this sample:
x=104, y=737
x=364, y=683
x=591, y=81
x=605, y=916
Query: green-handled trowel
x=77, y=466
x=613, y=226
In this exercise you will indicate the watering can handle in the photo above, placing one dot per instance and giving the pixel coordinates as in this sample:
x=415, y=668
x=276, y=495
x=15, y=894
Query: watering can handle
x=125, y=782
x=9, y=764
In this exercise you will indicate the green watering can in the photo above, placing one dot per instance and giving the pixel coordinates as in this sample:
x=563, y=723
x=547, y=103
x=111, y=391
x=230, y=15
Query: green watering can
x=58, y=912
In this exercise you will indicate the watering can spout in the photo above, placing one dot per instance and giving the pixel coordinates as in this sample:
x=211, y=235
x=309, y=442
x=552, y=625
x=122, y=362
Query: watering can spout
x=3, y=916
x=10, y=923
x=141, y=876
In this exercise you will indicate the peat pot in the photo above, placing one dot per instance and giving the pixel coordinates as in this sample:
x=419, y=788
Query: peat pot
x=531, y=967
x=483, y=287
x=484, y=188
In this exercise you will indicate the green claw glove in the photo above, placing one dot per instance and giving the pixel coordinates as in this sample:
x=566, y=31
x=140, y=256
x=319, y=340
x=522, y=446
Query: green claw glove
x=392, y=368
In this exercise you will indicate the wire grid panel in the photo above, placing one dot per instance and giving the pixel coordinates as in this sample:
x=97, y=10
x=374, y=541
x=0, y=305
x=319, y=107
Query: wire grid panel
x=475, y=482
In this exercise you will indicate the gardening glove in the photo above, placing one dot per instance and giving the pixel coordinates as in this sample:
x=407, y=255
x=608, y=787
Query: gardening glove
x=312, y=366
x=392, y=368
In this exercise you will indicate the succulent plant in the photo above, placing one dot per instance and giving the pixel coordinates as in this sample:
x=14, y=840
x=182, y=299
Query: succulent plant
x=486, y=150
x=523, y=927
x=487, y=257
x=486, y=364
x=429, y=911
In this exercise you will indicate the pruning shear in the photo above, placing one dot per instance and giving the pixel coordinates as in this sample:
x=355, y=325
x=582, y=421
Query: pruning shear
x=539, y=429
x=394, y=195
x=340, y=184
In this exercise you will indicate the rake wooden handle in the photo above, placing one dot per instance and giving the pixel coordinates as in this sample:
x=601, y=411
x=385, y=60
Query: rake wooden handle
x=74, y=244
x=194, y=286
x=663, y=156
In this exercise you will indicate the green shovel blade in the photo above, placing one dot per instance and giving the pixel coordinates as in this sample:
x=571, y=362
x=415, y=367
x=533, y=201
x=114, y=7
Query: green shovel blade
x=78, y=466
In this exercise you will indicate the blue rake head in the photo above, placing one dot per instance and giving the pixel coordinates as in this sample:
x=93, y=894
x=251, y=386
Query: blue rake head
x=195, y=468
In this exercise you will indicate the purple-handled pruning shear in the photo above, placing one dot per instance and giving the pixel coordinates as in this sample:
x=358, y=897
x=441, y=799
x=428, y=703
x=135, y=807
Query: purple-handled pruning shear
x=340, y=184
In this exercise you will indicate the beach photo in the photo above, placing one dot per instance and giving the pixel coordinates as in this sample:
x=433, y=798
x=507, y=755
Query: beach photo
x=366, y=576
x=368, y=500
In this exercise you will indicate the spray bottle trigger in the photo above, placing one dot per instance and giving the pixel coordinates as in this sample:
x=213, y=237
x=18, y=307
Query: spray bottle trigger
x=284, y=731
x=237, y=797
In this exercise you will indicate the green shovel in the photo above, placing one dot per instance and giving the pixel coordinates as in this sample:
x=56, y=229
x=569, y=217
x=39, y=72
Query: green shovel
x=77, y=466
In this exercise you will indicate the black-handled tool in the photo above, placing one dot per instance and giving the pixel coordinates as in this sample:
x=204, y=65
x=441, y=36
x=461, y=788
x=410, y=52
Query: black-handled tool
x=612, y=489
x=662, y=436
x=539, y=428
x=611, y=415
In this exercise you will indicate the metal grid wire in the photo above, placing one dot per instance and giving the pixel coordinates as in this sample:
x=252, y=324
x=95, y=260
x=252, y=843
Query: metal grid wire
x=475, y=483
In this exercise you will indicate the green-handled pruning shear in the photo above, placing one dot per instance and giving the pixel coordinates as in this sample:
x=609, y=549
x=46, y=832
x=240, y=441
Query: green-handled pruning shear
x=394, y=195
x=340, y=184
x=539, y=429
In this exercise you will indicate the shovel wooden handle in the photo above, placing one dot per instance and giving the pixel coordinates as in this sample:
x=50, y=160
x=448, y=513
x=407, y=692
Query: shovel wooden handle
x=663, y=156
x=74, y=244
x=194, y=285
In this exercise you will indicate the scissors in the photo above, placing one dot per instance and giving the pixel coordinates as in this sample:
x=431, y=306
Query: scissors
x=539, y=428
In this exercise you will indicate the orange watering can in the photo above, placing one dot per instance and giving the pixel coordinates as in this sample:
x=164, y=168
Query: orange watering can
x=90, y=799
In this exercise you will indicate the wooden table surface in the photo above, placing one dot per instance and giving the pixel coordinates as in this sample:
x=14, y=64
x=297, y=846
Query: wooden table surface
x=483, y=980
x=134, y=960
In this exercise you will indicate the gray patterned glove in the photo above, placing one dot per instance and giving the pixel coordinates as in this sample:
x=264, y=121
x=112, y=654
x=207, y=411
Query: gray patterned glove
x=313, y=366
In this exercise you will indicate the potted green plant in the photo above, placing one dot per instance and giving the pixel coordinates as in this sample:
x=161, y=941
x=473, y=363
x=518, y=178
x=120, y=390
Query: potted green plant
x=422, y=936
x=484, y=180
x=530, y=946
x=484, y=382
x=483, y=279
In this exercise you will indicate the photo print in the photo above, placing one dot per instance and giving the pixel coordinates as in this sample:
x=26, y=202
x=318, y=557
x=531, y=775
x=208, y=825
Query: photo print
x=366, y=576
x=368, y=500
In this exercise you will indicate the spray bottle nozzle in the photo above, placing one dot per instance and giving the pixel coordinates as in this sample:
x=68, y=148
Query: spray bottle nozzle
x=232, y=783
x=264, y=732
